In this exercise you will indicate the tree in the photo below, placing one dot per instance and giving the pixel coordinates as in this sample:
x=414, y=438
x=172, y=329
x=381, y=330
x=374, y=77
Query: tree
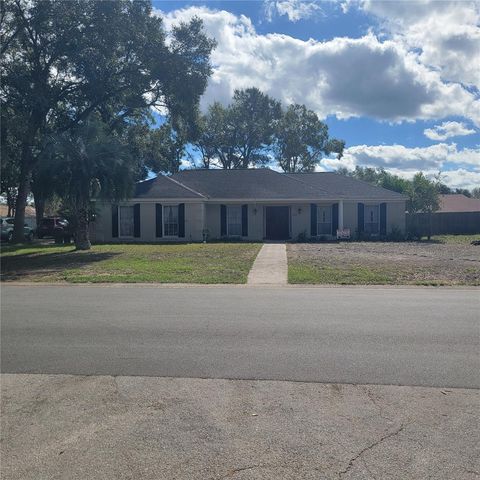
x=463, y=191
x=10, y=157
x=423, y=197
x=301, y=139
x=476, y=192
x=167, y=147
x=91, y=161
x=64, y=59
x=378, y=177
x=239, y=135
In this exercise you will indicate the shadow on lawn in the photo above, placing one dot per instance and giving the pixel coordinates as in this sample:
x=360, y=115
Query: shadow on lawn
x=18, y=267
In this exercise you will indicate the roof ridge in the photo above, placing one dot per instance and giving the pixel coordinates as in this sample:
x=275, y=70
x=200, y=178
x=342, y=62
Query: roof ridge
x=184, y=186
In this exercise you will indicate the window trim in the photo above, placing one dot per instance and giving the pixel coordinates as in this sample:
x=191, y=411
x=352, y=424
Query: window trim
x=369, y=205
x=120, y=223
x=164, y=217
x=240, y=209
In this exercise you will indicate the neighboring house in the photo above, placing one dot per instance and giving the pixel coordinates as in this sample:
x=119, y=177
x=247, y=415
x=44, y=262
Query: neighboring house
x=253, y=204
x=457, y=214
x=455, y=203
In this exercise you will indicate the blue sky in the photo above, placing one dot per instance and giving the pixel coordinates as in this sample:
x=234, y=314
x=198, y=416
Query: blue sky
x=397, y=80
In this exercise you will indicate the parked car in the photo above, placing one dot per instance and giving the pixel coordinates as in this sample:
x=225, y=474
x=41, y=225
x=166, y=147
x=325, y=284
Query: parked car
x=6, y=224
x=56, y=227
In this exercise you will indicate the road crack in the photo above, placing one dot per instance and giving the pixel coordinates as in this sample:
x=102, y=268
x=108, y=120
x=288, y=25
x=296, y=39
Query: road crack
x=234, y=471
x=369, y=447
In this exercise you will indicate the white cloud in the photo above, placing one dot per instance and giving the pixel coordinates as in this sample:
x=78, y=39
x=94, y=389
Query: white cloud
x=295, y=10
x=460, y=168
x=447, y=33
x=344, y=77
x=447, y=130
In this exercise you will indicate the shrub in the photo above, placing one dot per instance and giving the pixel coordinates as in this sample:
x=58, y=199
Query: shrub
x=302, y=237
x=413, y=233
x=395, y=235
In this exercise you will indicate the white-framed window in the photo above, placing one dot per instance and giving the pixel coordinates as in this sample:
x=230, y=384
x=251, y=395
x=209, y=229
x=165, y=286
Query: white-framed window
x=324, y=220
x=170, y=221
x=371, y=219
x=234, y=220
x=125, y=220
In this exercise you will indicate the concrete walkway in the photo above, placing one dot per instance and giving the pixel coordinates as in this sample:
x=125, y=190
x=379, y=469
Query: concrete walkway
x=270, y=266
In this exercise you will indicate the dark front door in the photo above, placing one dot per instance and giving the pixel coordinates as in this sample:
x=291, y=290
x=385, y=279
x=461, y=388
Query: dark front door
x=277, y=223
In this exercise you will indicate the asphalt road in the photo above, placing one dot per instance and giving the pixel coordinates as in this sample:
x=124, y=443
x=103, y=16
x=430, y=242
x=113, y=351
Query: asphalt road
x=404, y=336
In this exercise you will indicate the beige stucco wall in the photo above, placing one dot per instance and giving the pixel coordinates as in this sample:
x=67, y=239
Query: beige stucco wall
x=255, y=221
x=194, y=222
x=396, y=216
x=102, y=227
x=101, y=230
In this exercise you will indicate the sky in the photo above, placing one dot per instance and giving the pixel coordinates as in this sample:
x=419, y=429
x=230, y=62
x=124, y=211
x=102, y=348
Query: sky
x=399, y=81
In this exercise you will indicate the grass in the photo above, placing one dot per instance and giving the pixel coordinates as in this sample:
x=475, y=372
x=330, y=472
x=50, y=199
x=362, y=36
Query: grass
x=352, y=275
x=456, y=239
x=175, y=263
x=445, y=260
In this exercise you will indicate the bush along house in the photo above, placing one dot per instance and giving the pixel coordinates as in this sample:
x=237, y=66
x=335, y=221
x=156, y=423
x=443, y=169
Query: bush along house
x=250, y=205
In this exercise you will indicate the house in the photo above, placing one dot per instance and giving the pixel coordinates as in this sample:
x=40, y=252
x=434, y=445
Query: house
x=457, y=214
x=455, y=203
x=252, y=205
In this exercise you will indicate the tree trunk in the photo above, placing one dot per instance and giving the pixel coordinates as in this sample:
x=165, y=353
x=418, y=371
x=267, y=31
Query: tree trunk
x=39, y=210
x=39, y=202
x=23, y=191
x=82, y=238
x=26, y=169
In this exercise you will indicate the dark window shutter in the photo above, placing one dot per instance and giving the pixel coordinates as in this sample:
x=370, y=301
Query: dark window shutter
x=334, y=219
x=136, y=220
x=114, y=221
x=360, y=217
x=223, y=220
x=244, y=220
x=181, y=220
x=313, y=220
x=158, y=220
x=383, y=219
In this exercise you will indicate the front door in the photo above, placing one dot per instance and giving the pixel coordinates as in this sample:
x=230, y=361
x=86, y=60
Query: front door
x=277, y=223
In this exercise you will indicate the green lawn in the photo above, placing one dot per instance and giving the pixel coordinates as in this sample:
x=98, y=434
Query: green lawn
x=176, y=263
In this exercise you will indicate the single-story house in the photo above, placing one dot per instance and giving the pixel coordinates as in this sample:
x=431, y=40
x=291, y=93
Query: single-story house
x=454, y=202
x=252, y=204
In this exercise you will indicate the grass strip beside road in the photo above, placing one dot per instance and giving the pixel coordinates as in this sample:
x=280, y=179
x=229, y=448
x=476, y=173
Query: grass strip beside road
x=174, y=263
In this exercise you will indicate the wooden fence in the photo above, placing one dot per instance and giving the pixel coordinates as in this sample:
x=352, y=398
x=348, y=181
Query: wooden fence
x=444, y=223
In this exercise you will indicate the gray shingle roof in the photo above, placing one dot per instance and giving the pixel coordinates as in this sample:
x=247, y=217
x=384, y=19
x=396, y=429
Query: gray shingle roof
x=342, y=186
x=163, y=187
x=260, y=184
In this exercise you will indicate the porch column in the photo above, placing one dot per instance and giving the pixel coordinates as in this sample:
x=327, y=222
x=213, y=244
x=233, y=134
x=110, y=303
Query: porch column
x=340, y=215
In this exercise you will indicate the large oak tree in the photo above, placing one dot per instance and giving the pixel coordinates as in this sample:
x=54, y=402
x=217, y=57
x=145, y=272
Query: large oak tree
x=63, y=60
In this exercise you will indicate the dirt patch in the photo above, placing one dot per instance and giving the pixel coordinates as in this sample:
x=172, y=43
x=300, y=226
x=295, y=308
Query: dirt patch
x=389, y=263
